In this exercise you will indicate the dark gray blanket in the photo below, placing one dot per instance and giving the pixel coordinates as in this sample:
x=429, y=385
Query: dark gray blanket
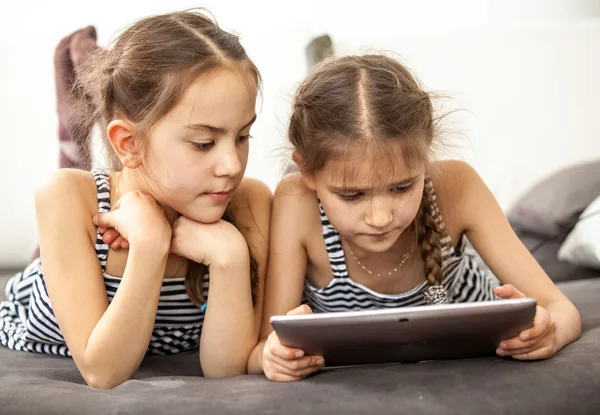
x=568, y=383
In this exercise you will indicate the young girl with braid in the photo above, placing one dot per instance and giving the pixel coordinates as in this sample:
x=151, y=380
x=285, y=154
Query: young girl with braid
x=370, y=221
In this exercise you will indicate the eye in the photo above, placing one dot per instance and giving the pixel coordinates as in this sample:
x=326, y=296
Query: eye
x=349, y=197
x=244, y=138
x=403, y=189
x=203, y=146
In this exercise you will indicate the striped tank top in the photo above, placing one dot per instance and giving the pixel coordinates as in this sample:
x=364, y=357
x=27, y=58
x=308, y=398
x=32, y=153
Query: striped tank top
x=465, y=277
x=27, y=322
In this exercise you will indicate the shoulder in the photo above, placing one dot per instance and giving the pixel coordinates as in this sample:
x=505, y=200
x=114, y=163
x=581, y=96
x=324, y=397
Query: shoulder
x=295, y=209
x=251, y=209
x=293, y=192
x=252, y=191
x=452, y=175
x=76, y=188
x=459, y=189
x=65, y=203
x=252, y=197
x=295, y=198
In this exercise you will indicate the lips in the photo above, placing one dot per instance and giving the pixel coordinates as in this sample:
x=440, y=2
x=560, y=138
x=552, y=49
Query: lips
x=379, y=235
x=220, y=195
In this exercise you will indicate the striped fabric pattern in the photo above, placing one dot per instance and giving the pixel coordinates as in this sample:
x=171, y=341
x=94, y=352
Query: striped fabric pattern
x=464, y=279
x=27, y=321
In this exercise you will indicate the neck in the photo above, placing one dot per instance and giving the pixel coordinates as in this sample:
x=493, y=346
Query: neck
x=388, y=264
x=128, y=180
x=401, y=246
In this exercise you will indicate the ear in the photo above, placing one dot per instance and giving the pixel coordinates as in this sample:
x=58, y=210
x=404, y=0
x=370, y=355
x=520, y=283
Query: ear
x=308, y=179
x=120, y=135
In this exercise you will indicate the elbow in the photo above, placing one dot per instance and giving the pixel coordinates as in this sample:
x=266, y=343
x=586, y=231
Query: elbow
x=101, y=369
x=578, y=323
x=224, y=369
x=213, y=372
x=568, y=322
x=572, y=332
x=254, y=365
x=225, y=364
x=97, y=379
x=575, y=321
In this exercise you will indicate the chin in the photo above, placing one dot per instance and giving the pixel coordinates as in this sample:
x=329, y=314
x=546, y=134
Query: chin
x=378, y=246
x=204, y=214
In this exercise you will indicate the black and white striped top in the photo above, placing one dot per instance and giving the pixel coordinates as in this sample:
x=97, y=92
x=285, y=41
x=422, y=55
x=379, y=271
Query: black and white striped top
x=464, y=278
x=27, y=322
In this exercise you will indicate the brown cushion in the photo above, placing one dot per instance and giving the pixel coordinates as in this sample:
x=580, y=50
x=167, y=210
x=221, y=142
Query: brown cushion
x=554, y=204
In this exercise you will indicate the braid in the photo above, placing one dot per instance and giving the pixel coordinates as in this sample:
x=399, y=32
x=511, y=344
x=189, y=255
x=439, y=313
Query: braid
x=431, y=233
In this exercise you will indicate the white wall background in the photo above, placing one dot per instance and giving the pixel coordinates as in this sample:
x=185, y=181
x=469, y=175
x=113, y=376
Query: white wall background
x=525, y=73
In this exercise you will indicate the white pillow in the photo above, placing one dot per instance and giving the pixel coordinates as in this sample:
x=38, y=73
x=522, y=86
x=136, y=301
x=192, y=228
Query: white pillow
x=582, y=245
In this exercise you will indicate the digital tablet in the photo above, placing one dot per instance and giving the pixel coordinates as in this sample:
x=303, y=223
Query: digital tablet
x=408, y=334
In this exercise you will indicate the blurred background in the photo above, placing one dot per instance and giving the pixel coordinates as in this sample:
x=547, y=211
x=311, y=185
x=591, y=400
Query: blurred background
x=524, y=73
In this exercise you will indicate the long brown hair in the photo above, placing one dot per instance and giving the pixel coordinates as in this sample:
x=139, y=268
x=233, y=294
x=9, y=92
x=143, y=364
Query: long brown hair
x=144, y=75
x=365, y=102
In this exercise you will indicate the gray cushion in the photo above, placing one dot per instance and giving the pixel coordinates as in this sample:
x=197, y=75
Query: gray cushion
x=554, y=204
x=545, y=251
x=567, y=383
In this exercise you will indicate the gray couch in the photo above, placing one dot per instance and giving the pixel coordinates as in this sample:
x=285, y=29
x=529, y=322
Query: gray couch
x=567, y=383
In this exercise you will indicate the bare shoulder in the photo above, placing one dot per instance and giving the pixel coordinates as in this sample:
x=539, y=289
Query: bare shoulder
x=452, y=175
x=67, y=189
x=291, y=196
x=295, y=198
x=252, y=198
x=295, y=209
x=251, y=208
x=252, y=191
x=456, y=184
x=65, y=204
x=292, y=191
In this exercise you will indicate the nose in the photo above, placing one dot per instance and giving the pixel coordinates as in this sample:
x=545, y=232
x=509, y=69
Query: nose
x=229, y=163
x=379, y=214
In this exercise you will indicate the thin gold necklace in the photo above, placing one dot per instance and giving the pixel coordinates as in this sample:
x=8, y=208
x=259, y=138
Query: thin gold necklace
x=404, y=259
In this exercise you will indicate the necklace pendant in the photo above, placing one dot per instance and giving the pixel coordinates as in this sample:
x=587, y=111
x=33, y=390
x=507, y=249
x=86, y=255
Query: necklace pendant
x=436, y=294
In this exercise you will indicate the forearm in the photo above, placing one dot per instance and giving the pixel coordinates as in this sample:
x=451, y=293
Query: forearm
x=120, y=339
x=567, y=320
x=229, y=332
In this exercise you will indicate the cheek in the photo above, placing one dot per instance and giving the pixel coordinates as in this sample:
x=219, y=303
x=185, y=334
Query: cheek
x=190, y=178
x=243, y=152
x=409, y=207
x=343, y=216
x=181, y=182
x=166, y=160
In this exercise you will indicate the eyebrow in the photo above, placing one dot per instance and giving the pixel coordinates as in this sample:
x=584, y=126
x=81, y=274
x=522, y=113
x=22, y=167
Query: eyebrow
x=402, y=183
x=216, y=130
